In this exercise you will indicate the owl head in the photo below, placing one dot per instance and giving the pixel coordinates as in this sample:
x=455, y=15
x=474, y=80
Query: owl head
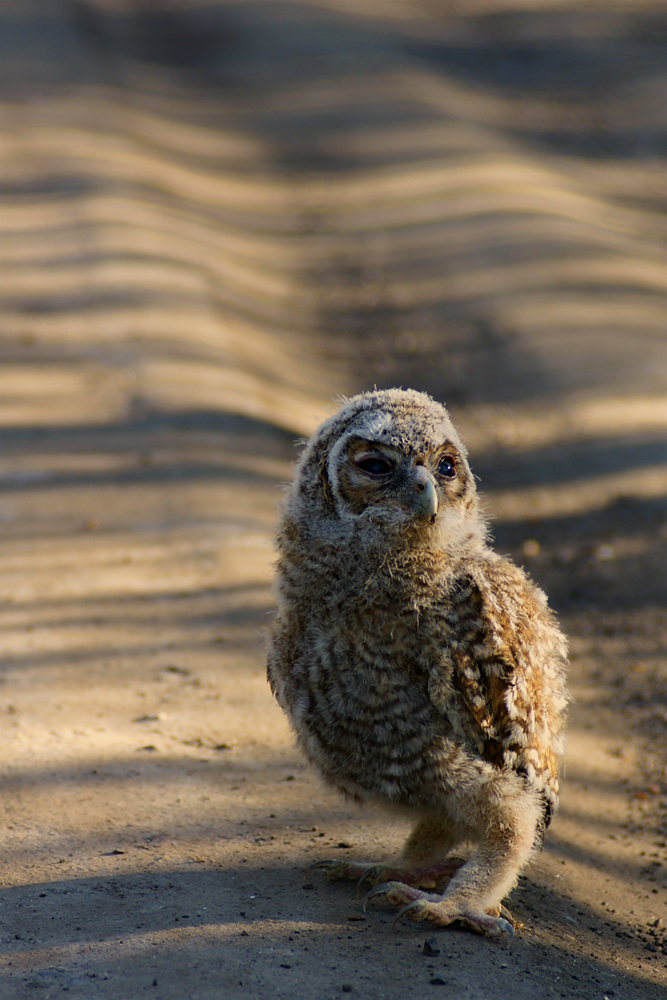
x=388, y=464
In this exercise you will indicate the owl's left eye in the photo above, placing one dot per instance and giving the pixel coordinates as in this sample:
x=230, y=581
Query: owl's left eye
x=375, y=466
x=447, y=467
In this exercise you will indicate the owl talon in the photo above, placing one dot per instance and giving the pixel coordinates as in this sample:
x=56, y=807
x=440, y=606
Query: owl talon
x=330, y=868
x=419, y=908
x=505, y=928
x=368, y=876
x=379, y=890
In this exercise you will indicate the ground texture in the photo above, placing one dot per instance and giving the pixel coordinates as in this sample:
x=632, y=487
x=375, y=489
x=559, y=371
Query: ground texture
x=217, y=216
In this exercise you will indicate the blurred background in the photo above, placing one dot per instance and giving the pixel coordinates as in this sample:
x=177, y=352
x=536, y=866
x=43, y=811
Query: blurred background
x=237, y=210
x=215, y=218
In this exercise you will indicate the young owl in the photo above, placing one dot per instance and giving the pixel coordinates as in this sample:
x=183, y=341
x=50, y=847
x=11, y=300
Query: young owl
x=417, y=667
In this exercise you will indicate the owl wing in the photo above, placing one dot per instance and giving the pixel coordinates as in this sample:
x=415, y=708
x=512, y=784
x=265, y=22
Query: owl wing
x=508, y=659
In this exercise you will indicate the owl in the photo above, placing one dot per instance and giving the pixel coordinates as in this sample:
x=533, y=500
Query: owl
x=418, y=668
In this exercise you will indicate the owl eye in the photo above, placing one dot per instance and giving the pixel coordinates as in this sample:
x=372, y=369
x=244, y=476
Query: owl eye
x=375, y=466
x=447, y=467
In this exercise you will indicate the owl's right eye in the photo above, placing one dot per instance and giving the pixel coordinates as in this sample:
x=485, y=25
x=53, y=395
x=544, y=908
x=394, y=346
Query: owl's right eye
x=375, y=466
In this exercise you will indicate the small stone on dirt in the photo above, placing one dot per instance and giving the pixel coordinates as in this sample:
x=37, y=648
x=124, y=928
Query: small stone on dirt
x=431, y=947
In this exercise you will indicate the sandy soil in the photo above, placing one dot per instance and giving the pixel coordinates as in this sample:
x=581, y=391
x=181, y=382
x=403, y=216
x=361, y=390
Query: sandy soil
x=215, y=217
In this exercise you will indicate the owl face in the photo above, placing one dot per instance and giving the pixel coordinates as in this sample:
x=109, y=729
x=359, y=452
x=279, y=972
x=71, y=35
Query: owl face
x=382, y=478
x=391, y=459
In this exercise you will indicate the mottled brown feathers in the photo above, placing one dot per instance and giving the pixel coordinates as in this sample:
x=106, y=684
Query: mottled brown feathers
x=416, y=666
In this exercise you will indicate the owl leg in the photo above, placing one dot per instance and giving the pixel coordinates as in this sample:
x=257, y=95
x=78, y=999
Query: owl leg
x=422, y=863
x=475, y=893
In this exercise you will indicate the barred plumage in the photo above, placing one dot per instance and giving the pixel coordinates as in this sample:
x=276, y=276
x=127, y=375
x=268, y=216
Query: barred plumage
x=417, y=667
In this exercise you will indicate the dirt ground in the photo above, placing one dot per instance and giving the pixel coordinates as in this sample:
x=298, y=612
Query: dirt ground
x=215, y=217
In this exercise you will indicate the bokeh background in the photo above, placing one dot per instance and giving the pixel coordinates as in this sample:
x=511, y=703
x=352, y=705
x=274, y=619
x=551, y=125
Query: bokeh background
x=215, y=218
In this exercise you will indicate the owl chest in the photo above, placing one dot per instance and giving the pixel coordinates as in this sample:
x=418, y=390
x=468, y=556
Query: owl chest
x=364, y=711
x=371, y=678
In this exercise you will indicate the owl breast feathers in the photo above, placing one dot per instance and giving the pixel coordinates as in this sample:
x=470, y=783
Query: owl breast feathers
x=416, y=666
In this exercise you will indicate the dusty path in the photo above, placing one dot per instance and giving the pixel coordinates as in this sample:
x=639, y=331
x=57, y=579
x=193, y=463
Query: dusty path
x=212, y=222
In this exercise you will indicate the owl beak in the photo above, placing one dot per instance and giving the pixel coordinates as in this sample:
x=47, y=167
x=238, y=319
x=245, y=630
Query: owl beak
x=424, y=500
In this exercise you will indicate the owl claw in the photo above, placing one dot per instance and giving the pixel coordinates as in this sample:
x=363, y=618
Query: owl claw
x=379, y=890
x=368, y=876
x=420, y=908
x=505, y=928
x=504, y=912
x=328, y=866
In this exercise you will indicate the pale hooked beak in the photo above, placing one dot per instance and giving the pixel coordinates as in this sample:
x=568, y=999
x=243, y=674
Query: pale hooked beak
x=424, y=500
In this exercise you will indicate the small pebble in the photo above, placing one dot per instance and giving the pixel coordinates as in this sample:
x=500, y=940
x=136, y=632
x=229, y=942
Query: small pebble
x=431, y=947
x=346, y=987
x=437, y=981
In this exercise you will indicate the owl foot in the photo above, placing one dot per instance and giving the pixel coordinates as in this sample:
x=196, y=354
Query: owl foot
x=435, y=876
x=424, y=906
x=425, y=877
